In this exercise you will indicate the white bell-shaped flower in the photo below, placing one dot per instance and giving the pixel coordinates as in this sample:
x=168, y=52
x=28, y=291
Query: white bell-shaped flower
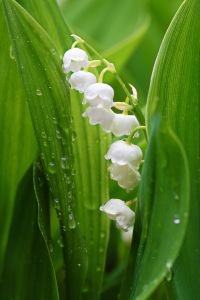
x=126, y=177
x=99, y=95
x=122, y=154
x=100, y=116
x=75, y=59
x=116, y=209
x=81, y=80
x=124, y=125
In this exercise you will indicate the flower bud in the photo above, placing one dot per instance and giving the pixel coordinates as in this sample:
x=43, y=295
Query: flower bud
x=75, y=59
x=117, y=210
x=81, y=80
x=99, y=95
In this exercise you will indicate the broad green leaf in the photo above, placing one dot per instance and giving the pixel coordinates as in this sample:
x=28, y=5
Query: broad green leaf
x=91, y=177
x=18, y=144
x=90, y=146
x=175, y=86
x=140, y=65
x=111, y=22
x=162, y=213
x=28, y=272
x=119, y=54
x=48, y=100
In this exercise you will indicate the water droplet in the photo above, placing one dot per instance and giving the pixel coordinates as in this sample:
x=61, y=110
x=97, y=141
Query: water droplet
x=98, y=268
x=64, y=228
x=38, y=92
x=40, y=181
x=73, y=172
x=52, y=155
x=45, y=143
x=102, y=234
x=58, y=134
x=169, y=275
x=145, y=287
x=74, y=136
x=64, y=163
x=64, y=142
x=72, y=222
x=68, y=179
x=168, y=265
x=11, y=53
x=85, y=289
x=53, y=51
x=101, y=250
x=42, y=155
x=51, y=168
x=50, y=245
x=79, y=265
x=70, y=195
x=55, y=120
x=43, y=135
x=60, y=242
x=176, y=196
x=176, y=219
x=56, y=204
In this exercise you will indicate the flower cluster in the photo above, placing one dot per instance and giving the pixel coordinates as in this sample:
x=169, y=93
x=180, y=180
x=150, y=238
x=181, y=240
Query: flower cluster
x=98, y=96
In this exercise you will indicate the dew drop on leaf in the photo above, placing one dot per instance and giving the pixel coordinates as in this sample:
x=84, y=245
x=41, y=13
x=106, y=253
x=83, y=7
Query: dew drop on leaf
x=38, y=92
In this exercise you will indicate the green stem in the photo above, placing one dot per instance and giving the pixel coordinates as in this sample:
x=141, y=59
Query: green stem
x=133, y=133
x=131, y=202
x=102, y=74
x=136, y=108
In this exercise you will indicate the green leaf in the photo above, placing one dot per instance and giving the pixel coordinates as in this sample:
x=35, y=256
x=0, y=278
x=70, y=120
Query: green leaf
x=48, y=100
x=18, y=144
x=175, y=87
x=119, y=54
x=162, y=213
x=28, y=271
x=90, y=146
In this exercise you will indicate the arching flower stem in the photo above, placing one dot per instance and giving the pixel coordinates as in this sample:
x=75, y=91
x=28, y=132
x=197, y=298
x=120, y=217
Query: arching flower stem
x=131, y=202
x=133, y=133
x=134, y=102
x=100, y=80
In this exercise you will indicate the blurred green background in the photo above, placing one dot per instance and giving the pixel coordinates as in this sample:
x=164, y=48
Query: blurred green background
x=129, y=31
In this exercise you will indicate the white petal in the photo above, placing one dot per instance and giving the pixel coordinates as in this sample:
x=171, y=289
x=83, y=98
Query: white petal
x=81, y=80
x=126, y=177
x=116, y=209
x=99, y=95
x=75, y=59
x=100, y=116
x=124, y=125
x=127, y=236
x=122, y=154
